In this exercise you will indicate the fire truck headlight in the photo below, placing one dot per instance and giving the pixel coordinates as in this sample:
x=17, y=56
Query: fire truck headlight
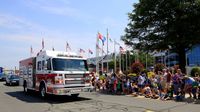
x=59, y=80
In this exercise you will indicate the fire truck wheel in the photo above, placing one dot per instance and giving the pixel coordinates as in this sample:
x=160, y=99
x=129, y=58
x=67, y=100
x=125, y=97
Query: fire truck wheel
x=25, y=88
x=42, y=91
x=10, y=84
x=74, y=95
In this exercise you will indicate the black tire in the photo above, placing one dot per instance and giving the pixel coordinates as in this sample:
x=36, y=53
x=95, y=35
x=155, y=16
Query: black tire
x=42, y=91
x=10, y=84
x=26, y=91
x=75, y=95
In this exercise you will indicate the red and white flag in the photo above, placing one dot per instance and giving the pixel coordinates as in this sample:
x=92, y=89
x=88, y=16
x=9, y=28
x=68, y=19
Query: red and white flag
x=82, y=51
x=122, y=50
x=90, y=51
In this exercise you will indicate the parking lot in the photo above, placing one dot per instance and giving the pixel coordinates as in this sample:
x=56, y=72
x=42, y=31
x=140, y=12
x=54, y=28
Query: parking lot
x=12, y=99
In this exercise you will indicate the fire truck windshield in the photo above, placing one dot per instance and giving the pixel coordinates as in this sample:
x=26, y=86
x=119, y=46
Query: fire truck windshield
x=69, y=65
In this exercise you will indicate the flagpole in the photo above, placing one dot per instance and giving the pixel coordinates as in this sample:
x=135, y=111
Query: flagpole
x=102, y=59
x=42, y=44
x=66, y=46
x=31, y=51
x=120, y=59
x=123, y=63
x=114, y=57
x=107, y=52
x=97, y=55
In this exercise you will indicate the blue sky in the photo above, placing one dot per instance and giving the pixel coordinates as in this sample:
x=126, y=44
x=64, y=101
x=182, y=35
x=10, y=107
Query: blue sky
x=23, y=23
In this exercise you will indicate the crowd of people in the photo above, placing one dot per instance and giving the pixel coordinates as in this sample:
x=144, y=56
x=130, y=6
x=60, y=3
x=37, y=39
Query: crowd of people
x=164, y=85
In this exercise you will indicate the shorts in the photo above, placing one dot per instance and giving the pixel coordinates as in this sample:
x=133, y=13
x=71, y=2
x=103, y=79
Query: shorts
x=188, y=88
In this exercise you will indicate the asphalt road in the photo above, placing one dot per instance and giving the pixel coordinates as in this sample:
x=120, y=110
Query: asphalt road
x=12, y=99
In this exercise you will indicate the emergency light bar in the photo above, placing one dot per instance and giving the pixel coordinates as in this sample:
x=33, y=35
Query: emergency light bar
x=63, y=55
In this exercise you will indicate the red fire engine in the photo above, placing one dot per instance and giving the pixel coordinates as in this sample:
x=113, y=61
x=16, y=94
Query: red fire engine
x=55, y=72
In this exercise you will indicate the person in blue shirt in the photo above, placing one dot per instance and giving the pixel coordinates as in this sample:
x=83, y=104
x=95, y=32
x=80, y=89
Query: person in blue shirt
x=188, y=85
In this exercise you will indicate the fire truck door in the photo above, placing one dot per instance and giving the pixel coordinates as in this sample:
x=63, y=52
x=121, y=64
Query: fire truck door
x=30, y=77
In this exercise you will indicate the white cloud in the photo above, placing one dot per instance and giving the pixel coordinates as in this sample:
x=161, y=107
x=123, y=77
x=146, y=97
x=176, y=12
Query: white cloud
x=57, y=7
x=18, y=24
x=27, y=33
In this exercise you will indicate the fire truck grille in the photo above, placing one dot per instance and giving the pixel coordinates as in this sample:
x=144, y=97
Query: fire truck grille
x=74, y=82
x=74, y=75
x=74, y=78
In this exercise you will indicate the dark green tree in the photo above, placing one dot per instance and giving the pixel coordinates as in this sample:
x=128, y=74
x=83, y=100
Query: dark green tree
x=163, y=24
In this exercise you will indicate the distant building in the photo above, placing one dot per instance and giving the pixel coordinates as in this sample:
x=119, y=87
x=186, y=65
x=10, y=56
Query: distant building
x=170, y=59
x=1, y=69
x=193, y=56
x=105, y=59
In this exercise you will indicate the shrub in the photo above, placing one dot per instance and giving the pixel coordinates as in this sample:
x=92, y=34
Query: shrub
x=159, y=67
x=195, y=72
x=137, y=67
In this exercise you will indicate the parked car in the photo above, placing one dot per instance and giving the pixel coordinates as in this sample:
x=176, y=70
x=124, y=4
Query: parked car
x=12, y=79
x=2, y=77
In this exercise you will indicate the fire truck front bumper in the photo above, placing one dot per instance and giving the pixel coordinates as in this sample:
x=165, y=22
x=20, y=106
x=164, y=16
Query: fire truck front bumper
x=72, y=90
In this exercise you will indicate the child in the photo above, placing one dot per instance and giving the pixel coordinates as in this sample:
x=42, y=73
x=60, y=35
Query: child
x=194, y=88
x=119, y=86
x=147, y=91
x=180, y=95
x=169, y=94
x=115, y=85
x=134, y=89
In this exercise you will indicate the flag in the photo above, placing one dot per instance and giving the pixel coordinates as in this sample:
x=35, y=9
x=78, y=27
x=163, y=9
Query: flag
x=109, y=37
x=90, y=51
x=103, y=39
x=122, y=50
x=42, y=43
x=67, y=46
x=100, y=36
x=82, y=51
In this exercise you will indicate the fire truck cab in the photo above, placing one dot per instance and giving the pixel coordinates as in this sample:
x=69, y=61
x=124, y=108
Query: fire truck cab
x=55, y=72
